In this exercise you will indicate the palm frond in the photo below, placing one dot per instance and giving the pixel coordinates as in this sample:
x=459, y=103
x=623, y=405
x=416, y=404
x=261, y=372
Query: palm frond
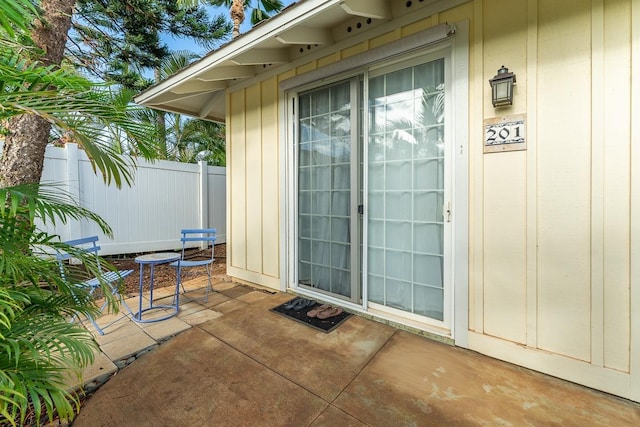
x=44, y=350
x=19, y=74
x=16, y=13
x=39, y=348
x=176, y=61
x=87, y=119
x=49, y=202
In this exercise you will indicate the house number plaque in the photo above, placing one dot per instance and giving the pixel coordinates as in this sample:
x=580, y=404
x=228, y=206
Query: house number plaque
x=505, y=134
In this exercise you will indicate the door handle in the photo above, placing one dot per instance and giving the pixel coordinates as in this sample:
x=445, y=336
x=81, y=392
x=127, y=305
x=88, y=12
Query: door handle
x=446, y=211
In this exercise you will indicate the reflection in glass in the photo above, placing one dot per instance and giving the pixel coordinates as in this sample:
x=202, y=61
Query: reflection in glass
x=406, y=189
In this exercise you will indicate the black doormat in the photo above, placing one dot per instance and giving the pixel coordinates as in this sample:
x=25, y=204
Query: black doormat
x=326, y=325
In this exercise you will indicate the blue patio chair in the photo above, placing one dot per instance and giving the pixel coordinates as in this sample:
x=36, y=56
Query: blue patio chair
x=207, y=238
x=110, y=277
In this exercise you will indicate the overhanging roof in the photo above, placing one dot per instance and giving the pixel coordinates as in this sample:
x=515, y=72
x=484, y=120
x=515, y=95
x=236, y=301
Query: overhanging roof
x=300, y=30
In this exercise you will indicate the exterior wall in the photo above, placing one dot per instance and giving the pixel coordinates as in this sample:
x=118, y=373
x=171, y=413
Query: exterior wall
x=552, y=225
x=553, y=230
x=253, y=193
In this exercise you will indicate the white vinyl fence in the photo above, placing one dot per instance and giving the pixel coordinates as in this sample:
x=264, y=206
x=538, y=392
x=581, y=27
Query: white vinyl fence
x=164, y=198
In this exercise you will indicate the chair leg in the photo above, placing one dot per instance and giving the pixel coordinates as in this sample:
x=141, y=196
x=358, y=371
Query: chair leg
x=93, y=321
x=90, y=318
x=184, y=291
x=176, y=295
x=116, y=293
x=209, y=287
x=95, y=325
x=122, y=302
x=179, y=285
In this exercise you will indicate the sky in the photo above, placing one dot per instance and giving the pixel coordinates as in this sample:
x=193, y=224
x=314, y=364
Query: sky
x=183, y=44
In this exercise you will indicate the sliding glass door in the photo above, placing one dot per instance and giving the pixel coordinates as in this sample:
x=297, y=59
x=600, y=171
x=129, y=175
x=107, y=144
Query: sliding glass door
x=406, y=189
x=326, y=230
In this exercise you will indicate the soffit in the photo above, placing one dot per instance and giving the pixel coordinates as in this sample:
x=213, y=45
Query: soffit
x=299, y=30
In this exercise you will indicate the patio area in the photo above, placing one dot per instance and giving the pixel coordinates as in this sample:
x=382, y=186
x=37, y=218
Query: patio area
x=231, y=361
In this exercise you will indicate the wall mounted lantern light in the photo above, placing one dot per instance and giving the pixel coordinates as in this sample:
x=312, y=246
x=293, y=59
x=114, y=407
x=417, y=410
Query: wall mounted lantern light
x=502, y=87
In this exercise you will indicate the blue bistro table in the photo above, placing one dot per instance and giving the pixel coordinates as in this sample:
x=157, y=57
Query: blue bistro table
x=152, y=260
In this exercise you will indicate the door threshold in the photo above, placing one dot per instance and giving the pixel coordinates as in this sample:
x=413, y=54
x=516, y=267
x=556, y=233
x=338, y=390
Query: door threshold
x=415, y=327
x=410, y=325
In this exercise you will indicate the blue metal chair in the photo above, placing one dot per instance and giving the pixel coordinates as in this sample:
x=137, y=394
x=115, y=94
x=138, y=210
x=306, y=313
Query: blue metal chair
x=207, y=238
x=110, y=277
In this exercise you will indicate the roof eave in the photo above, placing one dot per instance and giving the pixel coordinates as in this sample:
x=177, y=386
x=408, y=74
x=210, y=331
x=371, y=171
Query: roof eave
x=289, y=18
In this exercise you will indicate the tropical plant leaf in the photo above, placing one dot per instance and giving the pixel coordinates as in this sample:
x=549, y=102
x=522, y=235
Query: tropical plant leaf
x=89, y=118
x=39, y=347
x=16, y=13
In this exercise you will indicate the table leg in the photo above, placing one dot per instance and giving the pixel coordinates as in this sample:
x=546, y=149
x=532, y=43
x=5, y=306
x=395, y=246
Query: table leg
x=178, y=277
x=151, y=287
x=138, y=317
x=140, y=300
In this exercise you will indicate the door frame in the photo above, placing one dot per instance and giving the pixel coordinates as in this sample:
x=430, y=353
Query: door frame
x=459, y=57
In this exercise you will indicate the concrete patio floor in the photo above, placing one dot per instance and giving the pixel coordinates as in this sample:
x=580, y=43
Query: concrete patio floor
x=232, y=362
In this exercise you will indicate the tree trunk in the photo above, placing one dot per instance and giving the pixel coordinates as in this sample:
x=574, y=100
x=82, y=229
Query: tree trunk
x=24, y=147
x=237, y=16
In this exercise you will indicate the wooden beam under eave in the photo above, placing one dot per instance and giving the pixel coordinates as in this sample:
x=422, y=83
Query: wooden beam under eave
x=206, y=108
x=227, y=73
x=305, y=35
x=375, y=9
x=198, y=86
x=262, y=56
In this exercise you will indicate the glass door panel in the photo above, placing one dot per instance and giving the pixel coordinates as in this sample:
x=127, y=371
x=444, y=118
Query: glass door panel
x=406, y=189
x=324, y=189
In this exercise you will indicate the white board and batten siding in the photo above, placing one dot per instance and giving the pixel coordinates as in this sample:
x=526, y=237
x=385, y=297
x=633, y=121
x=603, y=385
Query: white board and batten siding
x=164, y=198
